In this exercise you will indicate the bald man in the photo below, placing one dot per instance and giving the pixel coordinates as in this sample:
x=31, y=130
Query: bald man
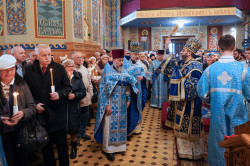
x=19, y=54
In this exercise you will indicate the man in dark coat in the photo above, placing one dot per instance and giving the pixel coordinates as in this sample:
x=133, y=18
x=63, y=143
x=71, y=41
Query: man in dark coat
x=50, y=106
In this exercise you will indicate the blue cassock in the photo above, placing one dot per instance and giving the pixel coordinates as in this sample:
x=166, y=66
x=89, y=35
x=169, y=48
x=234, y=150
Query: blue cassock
x=3, y=161
x=112, y=87
x=159, y=87
x=183, y=82
x=223, y=85
x=138, y=100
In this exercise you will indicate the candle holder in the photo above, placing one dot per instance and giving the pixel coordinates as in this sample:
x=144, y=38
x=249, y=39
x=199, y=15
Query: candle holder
x=53, y=89
x=15, y=107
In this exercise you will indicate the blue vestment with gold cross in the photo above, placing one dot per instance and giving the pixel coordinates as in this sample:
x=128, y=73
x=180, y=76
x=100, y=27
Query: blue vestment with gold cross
x=224, y=84
x=112, y=93
x=183, y=82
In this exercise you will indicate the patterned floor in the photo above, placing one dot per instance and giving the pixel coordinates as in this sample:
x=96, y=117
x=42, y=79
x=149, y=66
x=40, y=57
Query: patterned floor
x=153, y=147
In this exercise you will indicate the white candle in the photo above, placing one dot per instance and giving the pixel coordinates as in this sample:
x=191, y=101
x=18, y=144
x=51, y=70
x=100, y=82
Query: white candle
x=52, y=83
x=15, y=107
x=51, y=76
x=70, y=79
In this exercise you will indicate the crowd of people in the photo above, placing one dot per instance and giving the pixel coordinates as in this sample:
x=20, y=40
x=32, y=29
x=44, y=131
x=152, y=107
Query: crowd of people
x=60, y=96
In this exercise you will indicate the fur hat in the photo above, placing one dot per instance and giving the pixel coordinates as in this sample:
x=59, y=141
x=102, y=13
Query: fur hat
x=7, y=61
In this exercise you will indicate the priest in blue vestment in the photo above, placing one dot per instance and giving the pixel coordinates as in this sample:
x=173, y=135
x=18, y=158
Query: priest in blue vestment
x=160, y=84
x=113, y=101
x=184, y=113
x=138, y=100
x=224, y=85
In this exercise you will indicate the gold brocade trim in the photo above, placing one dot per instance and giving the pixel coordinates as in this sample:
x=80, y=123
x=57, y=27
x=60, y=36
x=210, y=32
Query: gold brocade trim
x=191, y=117
x=172, y=97
x=189, y=49
x=182, y=83
x=192, y=137
x=169, y=124
x=196, y=59
x=180, y=113
x=175, y=81
x=186, y=156
x=165, y=64
x=185, y=65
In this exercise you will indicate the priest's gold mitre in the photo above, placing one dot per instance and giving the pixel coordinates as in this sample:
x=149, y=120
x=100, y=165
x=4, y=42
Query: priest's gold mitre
x=193, y=45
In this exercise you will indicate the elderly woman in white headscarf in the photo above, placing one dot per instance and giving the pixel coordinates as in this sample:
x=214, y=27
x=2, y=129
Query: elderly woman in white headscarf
x=12, y=117
x=92, y=64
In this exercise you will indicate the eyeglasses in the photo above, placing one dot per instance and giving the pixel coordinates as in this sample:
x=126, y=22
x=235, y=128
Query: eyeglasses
x=71, y=66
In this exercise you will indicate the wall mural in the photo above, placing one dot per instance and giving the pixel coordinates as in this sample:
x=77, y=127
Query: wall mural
x=77, y=17
x=50, y=19
x=133, y=34
x=1, y=18
x=116, y=42
x=95, y=22
x=16, y=17
x=157, y=34
x=213, y=35
x=145, y=38
x=108, y=23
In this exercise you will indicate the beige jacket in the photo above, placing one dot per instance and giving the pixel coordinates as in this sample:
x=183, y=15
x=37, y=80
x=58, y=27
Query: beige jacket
x=87, y=83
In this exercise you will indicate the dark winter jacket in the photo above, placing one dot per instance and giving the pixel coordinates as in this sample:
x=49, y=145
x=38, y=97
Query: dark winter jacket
x=54, y=117
x=73, y=109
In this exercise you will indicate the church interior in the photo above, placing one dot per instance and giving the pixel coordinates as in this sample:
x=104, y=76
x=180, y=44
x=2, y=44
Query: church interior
x=88, y=26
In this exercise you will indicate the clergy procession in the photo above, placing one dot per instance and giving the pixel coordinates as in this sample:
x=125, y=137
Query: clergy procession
x=124, y=83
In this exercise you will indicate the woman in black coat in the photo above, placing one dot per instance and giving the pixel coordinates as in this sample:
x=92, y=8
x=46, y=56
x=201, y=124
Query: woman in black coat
x=73, y=108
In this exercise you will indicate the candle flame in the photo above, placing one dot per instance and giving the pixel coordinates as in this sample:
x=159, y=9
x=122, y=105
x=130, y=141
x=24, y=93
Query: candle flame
x=50, y=69
x=15, y=93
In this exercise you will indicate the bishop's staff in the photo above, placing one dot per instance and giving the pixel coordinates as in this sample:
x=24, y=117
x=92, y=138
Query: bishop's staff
x=173, y=31
x=167, y=41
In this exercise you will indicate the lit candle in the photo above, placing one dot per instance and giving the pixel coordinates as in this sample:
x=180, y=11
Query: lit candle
x=15, y=107
x=70, y=78
x=51, y=75
x=96, y=74
x=52, y=84
x=92, y=73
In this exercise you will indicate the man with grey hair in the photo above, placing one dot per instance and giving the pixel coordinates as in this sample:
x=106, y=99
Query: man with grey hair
x=85, y=102
x=97, y=56
x=103, y=52
x=19, y=53
x=50, y=105
x=32, y=56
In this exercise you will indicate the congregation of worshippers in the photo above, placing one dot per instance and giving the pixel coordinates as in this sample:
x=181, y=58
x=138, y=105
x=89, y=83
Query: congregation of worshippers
x=120, y=82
